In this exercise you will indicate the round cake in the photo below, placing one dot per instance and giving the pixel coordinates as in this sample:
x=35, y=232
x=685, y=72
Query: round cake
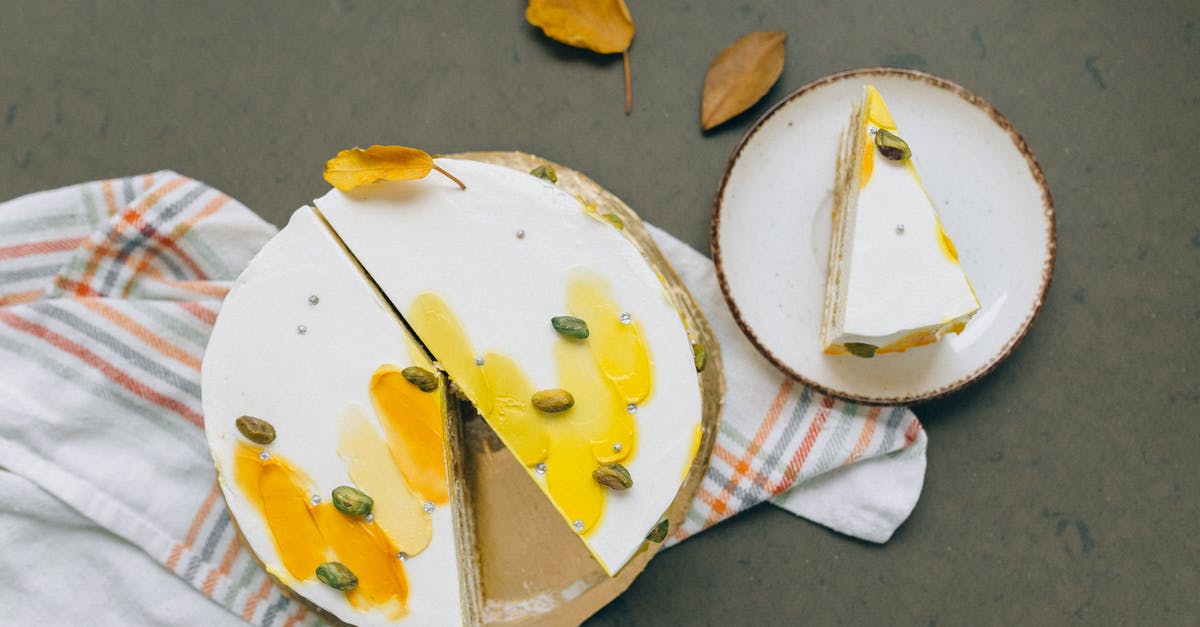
x=333, y=380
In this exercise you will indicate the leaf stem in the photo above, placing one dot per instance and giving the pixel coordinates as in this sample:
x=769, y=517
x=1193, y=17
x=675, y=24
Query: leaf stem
x=449, y=176
x=628, y=83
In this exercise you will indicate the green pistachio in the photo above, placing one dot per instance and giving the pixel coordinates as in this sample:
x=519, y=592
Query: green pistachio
x=570, y=326
x=553, y=401
x=613, y=476
x=891, y=146
x=859, y=349
x=614, y=220
x=659, y=532
x=352, y=501
x=256, y=430
x=700, y=355
x=336, y=576
x=421, y=378
x=545, y=171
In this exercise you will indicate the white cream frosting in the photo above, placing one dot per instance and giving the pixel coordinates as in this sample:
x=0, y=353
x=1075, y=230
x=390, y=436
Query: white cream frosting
x=258, y=363
x=463, y=246
x=898, y=277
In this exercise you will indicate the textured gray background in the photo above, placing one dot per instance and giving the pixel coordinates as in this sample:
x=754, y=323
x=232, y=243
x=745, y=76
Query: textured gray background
x=1062, y=489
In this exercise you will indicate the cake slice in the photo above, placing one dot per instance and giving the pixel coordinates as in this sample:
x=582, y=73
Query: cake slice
x=894, y=279
x=307, y=389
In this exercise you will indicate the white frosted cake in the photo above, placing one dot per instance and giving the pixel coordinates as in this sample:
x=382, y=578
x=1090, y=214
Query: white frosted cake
x=541, y=313
x=894, y=279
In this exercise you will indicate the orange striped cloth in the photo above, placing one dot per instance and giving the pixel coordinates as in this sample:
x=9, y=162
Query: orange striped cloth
x=108, y=292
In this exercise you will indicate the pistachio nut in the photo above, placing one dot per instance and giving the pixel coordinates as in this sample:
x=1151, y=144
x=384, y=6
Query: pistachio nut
x=891, y=146
x=614, y=220
x=336, y=576
x=545, y=171
x=349, y=500
x=421, y=378
x=613, y=476
x=859, y=349
x=256, y=430
x=700, y=355
x=570, y=326
x=553, y=401
x=659, y=532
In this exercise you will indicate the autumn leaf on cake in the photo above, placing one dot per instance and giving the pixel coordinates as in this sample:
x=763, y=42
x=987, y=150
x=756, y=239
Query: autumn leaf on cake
x=602, y=26
x=740, y=76
x=356, y=167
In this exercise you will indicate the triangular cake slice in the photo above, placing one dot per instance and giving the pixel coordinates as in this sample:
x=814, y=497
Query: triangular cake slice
x=894, y=279
x=479, y=274
x=308, y=386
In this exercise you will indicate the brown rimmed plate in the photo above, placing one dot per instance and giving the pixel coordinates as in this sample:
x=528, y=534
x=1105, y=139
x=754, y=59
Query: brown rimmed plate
x=772, y=219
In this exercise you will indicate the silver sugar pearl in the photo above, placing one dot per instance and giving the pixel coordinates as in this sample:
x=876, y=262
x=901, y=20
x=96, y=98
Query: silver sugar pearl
x=520, y=233
x=899, y=229
x=427, y=506
x=578, y=525
x=369, y=518
x=540, y=468
x=478, y=361
x=402, y=556
x=301, y=329
x=314, y=299
x=617, y=447
x=315, y=499
x=263, y=455
x=631, y=408
x=626, y=318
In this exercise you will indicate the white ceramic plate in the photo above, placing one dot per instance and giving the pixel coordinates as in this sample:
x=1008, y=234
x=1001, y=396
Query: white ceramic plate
x=772, y=221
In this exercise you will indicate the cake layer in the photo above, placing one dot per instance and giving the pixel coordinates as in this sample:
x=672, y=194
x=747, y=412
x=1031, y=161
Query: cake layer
x=305, y=343
x=478, y=275
x=899, y=282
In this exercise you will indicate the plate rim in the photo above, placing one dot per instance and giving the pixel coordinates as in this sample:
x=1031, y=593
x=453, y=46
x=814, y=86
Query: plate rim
x=1019, y=142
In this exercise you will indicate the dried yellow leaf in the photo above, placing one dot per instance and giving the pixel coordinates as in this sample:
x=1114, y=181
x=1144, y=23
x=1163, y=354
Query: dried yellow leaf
x=357, y=167
x=603, y=26
x=741, y=75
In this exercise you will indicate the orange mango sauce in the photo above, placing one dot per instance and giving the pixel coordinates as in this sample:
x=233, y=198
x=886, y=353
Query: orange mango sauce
x=306, y=536
x=372, y=468
x=604, y=373
x=366, y=551
x=412, y=420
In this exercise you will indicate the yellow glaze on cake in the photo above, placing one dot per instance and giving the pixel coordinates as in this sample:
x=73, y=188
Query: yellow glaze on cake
x=308, y=535
x=605, y=373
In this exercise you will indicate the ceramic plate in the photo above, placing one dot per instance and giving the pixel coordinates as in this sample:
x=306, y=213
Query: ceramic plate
x=772, y=221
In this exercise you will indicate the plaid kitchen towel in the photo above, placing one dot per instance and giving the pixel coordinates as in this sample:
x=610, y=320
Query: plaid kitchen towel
x=108, y=292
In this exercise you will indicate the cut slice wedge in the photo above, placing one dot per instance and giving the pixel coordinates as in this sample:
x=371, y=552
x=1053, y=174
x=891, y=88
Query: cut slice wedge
x=894, y=279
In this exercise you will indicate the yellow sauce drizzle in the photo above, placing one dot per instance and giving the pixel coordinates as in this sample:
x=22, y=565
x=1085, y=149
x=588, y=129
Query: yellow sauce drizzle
x=609, y=370
x=697, y=433
x=365, y=550
x=306, y=536
x=618, y=348
x=513, y=416
x=373, y=470
x=285, y=508
x=877, y=111
x=412, y=420
x=441, y=331
x=868, y=160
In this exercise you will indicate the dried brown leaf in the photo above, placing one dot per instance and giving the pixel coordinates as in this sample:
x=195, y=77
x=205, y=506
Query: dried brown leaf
x=603, y=26
x=741, y=75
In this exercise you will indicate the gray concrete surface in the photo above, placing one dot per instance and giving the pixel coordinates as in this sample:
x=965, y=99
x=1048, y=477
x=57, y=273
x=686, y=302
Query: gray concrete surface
x=1062, y=489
